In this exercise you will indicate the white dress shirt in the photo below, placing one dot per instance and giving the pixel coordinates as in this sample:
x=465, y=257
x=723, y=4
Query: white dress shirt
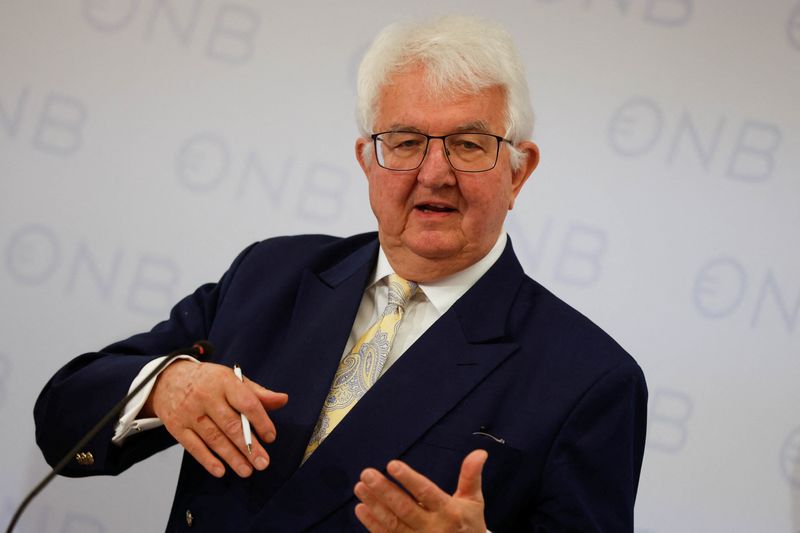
x=431, y=301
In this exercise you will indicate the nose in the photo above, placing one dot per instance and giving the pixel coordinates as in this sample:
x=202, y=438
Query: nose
x=435, y=170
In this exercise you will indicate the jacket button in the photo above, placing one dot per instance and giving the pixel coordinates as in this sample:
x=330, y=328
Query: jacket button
x=189, y=518
x=84, y=458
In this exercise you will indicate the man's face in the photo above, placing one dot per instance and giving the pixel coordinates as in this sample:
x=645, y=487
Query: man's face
x=435, y=221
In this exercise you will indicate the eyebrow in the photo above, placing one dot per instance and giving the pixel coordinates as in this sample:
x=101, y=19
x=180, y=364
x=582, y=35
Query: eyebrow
x=477, y=126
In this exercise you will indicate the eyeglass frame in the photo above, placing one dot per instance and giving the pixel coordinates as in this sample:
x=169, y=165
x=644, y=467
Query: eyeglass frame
x=428, y=138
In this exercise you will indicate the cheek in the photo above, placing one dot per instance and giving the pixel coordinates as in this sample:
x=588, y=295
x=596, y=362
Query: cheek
x=488, y=204
x=486, y=215
x=387, y=196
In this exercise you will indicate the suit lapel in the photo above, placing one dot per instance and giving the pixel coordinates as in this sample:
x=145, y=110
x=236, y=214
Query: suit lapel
x=431, y=377
x=304, y=366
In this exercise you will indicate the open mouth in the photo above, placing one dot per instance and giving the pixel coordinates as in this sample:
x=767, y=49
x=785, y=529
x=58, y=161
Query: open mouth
x=431, y=208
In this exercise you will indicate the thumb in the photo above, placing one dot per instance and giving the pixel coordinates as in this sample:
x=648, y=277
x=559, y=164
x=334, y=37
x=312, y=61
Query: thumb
x=469, y=479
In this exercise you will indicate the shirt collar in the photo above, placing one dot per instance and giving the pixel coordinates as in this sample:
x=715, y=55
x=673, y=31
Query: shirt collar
x=445, y=292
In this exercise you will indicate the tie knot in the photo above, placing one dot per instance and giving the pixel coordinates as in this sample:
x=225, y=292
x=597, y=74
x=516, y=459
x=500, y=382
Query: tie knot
x=400, y=292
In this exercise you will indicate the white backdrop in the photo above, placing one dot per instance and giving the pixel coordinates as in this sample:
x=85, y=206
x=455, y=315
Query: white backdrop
x=143, y=143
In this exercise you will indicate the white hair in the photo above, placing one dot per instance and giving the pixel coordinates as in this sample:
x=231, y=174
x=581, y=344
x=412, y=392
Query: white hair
x=461, y=55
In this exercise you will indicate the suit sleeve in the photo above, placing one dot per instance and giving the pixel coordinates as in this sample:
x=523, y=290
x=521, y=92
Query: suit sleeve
x=592, y=471
x=87, y=387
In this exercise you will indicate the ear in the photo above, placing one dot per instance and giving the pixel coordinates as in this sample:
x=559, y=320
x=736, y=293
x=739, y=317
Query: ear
x=361, y=145
x=521, y=175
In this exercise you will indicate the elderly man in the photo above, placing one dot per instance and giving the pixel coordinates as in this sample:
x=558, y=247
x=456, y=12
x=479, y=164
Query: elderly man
x=415, y=379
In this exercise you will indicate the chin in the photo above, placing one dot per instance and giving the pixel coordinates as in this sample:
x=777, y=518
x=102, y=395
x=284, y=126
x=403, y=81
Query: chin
x=433, y=247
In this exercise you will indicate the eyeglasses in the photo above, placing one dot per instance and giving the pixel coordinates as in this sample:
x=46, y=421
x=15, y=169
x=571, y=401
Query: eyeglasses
x=466, y=152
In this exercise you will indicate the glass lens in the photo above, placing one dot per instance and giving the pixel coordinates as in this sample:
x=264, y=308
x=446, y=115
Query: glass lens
x=468, y=152
x=472, y=152
x=401, y=150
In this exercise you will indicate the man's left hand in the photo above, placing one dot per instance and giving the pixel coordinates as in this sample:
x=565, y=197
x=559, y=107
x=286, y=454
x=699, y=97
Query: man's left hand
x=422, y=506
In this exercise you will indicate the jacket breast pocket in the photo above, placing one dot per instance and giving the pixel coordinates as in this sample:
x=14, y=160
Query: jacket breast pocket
x=440, y=452
x=510, y=477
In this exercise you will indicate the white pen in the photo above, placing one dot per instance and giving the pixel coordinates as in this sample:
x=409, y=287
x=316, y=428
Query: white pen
x=248, y=438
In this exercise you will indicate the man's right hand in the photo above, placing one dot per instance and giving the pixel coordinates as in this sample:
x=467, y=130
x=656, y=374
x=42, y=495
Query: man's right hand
x=200, y=405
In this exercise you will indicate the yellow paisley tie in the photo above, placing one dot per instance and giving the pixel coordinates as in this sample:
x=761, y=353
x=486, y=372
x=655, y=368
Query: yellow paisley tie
x=362, y=365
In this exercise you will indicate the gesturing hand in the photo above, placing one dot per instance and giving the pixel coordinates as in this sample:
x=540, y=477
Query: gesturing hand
x=200, y=405
x=386, y=507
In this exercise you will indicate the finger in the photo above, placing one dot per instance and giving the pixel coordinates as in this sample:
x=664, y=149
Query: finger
x=377, y=500
x=379, y=514
x=395, y=499
x=469, y=479
x=195, y=446
x=368, y=520
x=217, y=440
x=230, y=421
x=257, y=455
x=243, y=400
x=253, y=400
x=421, y=488
x=271, y=400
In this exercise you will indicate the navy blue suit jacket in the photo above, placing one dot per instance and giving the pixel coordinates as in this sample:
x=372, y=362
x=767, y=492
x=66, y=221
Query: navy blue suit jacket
x=510, y=368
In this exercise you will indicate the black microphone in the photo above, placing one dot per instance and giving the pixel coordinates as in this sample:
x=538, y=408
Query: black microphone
x=199, y=349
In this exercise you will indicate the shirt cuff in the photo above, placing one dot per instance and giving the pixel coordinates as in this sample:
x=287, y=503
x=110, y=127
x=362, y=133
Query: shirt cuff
x=128, y=424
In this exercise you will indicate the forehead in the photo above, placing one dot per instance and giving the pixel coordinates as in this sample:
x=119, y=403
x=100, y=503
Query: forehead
x=406, y=102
